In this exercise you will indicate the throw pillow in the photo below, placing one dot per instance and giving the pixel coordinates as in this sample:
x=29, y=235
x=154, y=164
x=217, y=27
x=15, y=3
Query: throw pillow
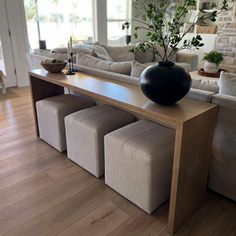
x=137, y=68
x=227, y=84
x=116, y=67
x=102, y=53
x=120, y=53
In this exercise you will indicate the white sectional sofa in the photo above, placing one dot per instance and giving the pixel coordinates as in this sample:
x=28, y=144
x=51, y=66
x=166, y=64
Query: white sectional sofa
x=107, y=57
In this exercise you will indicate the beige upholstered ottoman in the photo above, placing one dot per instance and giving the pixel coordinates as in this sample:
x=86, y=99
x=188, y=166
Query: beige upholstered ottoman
x=138, y=163
x=51, y=113
x=85, y=132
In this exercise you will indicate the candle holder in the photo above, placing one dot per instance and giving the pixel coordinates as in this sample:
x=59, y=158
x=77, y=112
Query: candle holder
x=70, y=66
x=72, y=63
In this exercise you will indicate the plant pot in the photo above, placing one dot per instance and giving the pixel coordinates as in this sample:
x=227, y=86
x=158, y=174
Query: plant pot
x=165, y=83
x=210, y=67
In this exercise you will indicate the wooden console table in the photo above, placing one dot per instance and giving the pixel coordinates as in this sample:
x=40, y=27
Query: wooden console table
x=193, y=121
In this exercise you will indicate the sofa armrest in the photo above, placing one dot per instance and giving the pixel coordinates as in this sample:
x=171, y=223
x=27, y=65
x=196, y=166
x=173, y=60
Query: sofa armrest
x=200, y=95
x=225, y=101
x=188, y=58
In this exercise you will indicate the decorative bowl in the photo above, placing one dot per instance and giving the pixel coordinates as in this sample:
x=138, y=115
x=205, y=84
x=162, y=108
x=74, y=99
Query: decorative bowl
x=54, y=67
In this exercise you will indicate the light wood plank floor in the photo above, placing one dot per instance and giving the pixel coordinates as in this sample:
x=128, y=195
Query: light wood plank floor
x=44, y=193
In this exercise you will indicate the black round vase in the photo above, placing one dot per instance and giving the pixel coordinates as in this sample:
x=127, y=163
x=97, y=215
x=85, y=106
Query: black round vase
x=165, y=83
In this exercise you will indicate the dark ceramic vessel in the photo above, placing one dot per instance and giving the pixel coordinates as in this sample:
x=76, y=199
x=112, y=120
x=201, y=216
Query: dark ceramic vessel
x=165, y=83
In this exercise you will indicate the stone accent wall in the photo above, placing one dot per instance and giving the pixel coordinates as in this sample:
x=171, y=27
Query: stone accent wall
x=227, y=36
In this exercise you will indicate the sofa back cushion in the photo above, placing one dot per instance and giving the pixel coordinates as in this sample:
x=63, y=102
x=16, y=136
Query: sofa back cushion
x=144, y=57
x=227, y=84
x=82, y=48
x=102, y=53
x=120, y=53
x=91, y=61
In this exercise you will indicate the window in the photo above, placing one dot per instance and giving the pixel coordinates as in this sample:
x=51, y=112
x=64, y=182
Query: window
x=56, y=20
x=118, y=11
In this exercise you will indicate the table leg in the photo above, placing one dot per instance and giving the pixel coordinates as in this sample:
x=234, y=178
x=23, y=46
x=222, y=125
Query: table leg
x=193, y=147
x=41, y=89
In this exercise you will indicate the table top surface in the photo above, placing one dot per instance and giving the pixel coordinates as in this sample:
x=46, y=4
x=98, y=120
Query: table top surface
x=126, y=96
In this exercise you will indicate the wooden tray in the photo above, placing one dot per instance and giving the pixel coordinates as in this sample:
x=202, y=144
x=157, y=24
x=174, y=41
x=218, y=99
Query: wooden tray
x=213, y=75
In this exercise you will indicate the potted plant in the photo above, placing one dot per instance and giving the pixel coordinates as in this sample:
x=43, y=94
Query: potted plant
x=213, y=59
x=165, y=82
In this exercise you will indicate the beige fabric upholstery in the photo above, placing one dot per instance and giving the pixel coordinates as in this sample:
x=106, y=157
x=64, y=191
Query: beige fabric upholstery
x=222, y=177
x=85, y=132
x=227, y=83
x=120, y=53
x=115, y=77
x=200, y=95
x=184, y=65
x=189, y=58
x=206, y=85
x=137, y=68
x=102, y=53
x=82, y=48
x=138, y=163
x=144, y=57
x=51, y=113
x=93, y=62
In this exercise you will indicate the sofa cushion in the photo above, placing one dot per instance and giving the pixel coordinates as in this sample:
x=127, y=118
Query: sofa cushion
x=91, y=61
x=206, y=85
x=227, y=84
x=144, y=57
x=102, y=53
x=137, y=68
x=83, y=48
x=120, y=53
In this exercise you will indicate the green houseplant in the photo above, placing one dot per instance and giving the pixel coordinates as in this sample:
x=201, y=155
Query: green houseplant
x=166, y=83
x=212, y=61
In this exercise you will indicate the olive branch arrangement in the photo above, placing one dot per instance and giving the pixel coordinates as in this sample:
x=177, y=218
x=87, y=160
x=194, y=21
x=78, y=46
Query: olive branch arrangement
x=162, y=22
